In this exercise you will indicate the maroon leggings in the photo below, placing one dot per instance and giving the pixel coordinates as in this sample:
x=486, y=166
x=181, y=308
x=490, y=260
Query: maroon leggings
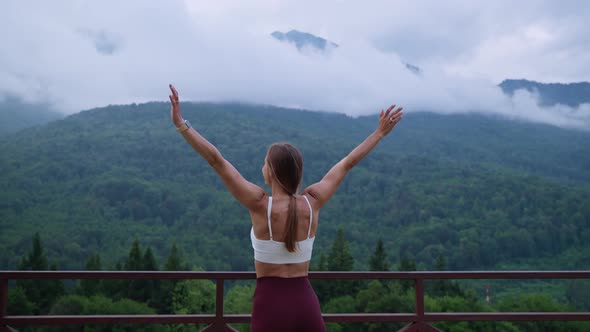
x=286, y=305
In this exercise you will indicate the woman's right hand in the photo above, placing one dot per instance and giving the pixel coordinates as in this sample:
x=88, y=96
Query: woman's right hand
x=388, y=120
x=175, y=108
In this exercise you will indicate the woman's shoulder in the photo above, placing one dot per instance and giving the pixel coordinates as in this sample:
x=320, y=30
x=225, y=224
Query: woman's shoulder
x=261, y=204
x=311, y=198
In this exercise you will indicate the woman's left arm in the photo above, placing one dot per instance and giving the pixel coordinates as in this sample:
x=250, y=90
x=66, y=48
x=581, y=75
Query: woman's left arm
x=247, y=193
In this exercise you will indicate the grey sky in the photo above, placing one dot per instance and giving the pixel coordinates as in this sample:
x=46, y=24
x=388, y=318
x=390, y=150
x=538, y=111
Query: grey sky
x=83, y=54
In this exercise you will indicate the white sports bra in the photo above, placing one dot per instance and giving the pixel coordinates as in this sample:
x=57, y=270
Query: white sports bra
x=274, y=252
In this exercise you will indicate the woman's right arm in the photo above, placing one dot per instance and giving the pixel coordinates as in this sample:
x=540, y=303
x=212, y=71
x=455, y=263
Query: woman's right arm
x=247, y=193
x=323, y=190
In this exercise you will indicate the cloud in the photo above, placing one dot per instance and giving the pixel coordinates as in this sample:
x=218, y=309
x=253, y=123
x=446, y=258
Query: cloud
x=104, y=42
x=87, y=54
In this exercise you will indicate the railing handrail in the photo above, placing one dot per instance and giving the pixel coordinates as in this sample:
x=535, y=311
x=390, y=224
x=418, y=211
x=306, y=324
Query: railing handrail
x=418, y=320
x=233, y=275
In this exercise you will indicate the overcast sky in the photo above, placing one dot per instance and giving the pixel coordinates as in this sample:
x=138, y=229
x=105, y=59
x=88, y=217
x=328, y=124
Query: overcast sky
x=82, y=54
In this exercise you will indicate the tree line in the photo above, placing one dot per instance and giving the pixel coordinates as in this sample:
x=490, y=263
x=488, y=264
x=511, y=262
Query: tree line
x=91, y=296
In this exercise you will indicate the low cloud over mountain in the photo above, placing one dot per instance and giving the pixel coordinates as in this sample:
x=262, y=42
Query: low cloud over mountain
x=78, y=57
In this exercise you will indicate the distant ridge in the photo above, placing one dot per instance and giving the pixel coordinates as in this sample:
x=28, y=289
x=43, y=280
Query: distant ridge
x=571, y=94
x=304, y=39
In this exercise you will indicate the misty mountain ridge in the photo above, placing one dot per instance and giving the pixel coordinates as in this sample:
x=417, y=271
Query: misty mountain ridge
x=304, y=39
x=572, y=94
x=550, y=94
x=16, y=114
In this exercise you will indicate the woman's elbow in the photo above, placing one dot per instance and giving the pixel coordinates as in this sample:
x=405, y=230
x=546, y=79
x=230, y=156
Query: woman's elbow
x=215, y=161
x=349, y=163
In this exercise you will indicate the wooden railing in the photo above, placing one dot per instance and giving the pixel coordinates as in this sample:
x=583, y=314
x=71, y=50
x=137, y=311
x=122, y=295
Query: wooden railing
x=419, y=320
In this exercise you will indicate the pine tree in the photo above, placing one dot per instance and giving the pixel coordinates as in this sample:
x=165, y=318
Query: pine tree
x=151, y=287
x=40, y=292
x=443, y=287
x=149, y=261
x=323, y=265
x=407, y=264
x=378, y=262
x=134, y=262
x=173, y=263
x=36, y=259
x=116, y=288
x=89, y=287
x=440, y=264
x=340, y=258
x=55, y=288
x=322, y=287
x=439, y=287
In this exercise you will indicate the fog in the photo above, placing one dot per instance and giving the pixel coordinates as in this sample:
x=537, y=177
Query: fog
x=84, y=54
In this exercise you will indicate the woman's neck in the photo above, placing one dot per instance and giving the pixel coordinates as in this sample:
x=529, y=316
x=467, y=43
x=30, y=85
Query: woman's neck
x=277, y=191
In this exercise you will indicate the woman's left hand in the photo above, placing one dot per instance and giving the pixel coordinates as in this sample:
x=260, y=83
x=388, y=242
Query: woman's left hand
x=175, y=108
x=388, y=119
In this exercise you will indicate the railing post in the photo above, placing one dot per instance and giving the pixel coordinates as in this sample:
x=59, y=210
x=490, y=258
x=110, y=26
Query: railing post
x=3, y=303
x=219, y=324
x=420, y=299
x=419, y=325
x=219, y=301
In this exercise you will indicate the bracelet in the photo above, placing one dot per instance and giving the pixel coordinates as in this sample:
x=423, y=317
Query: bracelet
x=184, y=127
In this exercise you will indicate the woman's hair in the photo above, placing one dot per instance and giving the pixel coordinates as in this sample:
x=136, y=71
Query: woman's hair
x=286, y=163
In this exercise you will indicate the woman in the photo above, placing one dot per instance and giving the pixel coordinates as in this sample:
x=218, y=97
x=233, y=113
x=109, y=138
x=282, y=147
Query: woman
x=284, y=224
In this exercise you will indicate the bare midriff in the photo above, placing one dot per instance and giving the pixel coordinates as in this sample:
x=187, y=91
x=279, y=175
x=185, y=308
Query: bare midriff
x=281, y=270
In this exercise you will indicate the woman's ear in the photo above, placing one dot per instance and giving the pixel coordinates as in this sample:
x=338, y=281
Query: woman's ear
x=268, y=175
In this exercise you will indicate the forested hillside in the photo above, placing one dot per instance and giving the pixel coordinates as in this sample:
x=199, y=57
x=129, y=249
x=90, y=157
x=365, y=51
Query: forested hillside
x=480, y=191
x=117, y=188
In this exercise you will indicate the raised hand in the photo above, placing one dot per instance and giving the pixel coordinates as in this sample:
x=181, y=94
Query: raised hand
x=388, y=119
x=175, y=108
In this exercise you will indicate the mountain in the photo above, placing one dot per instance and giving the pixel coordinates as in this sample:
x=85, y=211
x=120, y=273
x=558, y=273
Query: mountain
x=16, y=115
x=571, y=94
x=304, y=39
x=414, y=69
x=481, y=191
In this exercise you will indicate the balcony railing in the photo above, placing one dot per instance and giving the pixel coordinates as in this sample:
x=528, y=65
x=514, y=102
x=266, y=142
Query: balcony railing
x=419, y=320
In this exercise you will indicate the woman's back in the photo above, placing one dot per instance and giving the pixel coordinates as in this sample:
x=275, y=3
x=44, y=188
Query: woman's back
x=268, y=237
x=279, y=219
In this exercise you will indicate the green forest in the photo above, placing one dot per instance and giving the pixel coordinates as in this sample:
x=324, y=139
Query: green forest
x=117, y=188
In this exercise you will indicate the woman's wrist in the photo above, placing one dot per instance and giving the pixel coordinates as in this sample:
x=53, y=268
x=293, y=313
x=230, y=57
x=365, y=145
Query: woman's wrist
x=378, y=134
x=178, y=122
x=184, y=126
